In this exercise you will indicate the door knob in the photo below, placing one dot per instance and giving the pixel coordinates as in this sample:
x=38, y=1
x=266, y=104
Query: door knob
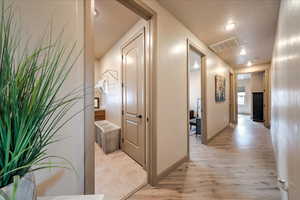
x=139, y=116
x=283, y=184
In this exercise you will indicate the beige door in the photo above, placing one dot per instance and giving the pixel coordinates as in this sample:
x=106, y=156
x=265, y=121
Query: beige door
x=133, y=70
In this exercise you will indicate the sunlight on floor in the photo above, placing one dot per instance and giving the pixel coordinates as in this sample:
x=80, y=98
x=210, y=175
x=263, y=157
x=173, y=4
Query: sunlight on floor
x=244, y=136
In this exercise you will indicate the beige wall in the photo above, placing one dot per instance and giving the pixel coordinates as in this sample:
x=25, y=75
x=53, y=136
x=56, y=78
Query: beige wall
x=171, y=83
x=254, y=68
x=257, y=82
x=285, y=124
x=35, y=16
x=257, y=85
x=112, y=60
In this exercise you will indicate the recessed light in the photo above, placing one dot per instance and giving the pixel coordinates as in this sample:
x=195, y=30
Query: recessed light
x=230, y=26
x=196, y=65
x=249, y=63
x=243, y=52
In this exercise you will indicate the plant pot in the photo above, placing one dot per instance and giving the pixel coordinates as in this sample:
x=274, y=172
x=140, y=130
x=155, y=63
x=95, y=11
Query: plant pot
x=26, y=189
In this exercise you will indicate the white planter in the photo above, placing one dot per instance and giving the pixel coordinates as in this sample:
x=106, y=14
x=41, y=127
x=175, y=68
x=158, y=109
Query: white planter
x=26, y=188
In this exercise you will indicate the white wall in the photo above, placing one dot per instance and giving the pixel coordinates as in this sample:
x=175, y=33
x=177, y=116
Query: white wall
x=195, y=81
x=171, y=81
x=112, y=60
x=34, y=17
x=195, y=90
x=285, y=124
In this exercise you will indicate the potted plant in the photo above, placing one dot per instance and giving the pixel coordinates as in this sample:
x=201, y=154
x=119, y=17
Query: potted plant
x=32, y=108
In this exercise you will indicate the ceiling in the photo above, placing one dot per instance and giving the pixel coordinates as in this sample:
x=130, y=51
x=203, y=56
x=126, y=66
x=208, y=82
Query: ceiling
x=111, y=23
x=255, y=22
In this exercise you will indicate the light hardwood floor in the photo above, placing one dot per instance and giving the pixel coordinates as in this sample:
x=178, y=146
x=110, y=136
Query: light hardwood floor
x=238, y=164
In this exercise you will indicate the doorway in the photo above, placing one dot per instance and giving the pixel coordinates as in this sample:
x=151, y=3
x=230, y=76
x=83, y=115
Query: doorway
x=252, y=93
x=110, y=170
x=196, y=93
x=120, y=147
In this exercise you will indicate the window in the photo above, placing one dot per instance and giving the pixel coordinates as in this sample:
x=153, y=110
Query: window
x=241, y=98
x=241, y=95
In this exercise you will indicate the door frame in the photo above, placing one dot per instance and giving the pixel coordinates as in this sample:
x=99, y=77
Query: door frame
x=204, y=140
x=267, y=89
x=232, y=99
x=267, y=103
x=150, y=16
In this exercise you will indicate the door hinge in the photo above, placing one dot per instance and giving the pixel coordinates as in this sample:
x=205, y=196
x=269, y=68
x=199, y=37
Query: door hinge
x=122, y=140
x=122, y=112
x=122, y=85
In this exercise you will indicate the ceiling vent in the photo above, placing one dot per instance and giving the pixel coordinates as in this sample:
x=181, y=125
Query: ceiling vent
x=225, y=45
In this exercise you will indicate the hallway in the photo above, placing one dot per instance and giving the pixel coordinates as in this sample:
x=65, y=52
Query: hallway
x=238, y=164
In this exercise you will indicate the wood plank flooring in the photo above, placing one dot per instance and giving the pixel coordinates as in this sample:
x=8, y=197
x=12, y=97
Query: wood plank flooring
x=238, y=164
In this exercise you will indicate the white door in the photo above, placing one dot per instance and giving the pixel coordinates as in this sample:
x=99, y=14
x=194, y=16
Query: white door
x=133, y=68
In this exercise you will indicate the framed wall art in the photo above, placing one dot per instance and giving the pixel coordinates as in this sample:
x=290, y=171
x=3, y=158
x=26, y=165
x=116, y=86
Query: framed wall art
x=220, y=86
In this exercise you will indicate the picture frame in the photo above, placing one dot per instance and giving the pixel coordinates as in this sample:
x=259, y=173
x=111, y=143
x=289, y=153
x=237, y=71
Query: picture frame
x=220, y=87
x=96, y=102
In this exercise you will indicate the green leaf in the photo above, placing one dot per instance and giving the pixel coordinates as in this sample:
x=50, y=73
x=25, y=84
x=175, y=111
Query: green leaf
x=32, y=107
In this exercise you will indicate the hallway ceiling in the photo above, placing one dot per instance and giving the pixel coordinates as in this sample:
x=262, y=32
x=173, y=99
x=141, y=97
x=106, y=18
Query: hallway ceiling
x=255, y=22
x=111, y=23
